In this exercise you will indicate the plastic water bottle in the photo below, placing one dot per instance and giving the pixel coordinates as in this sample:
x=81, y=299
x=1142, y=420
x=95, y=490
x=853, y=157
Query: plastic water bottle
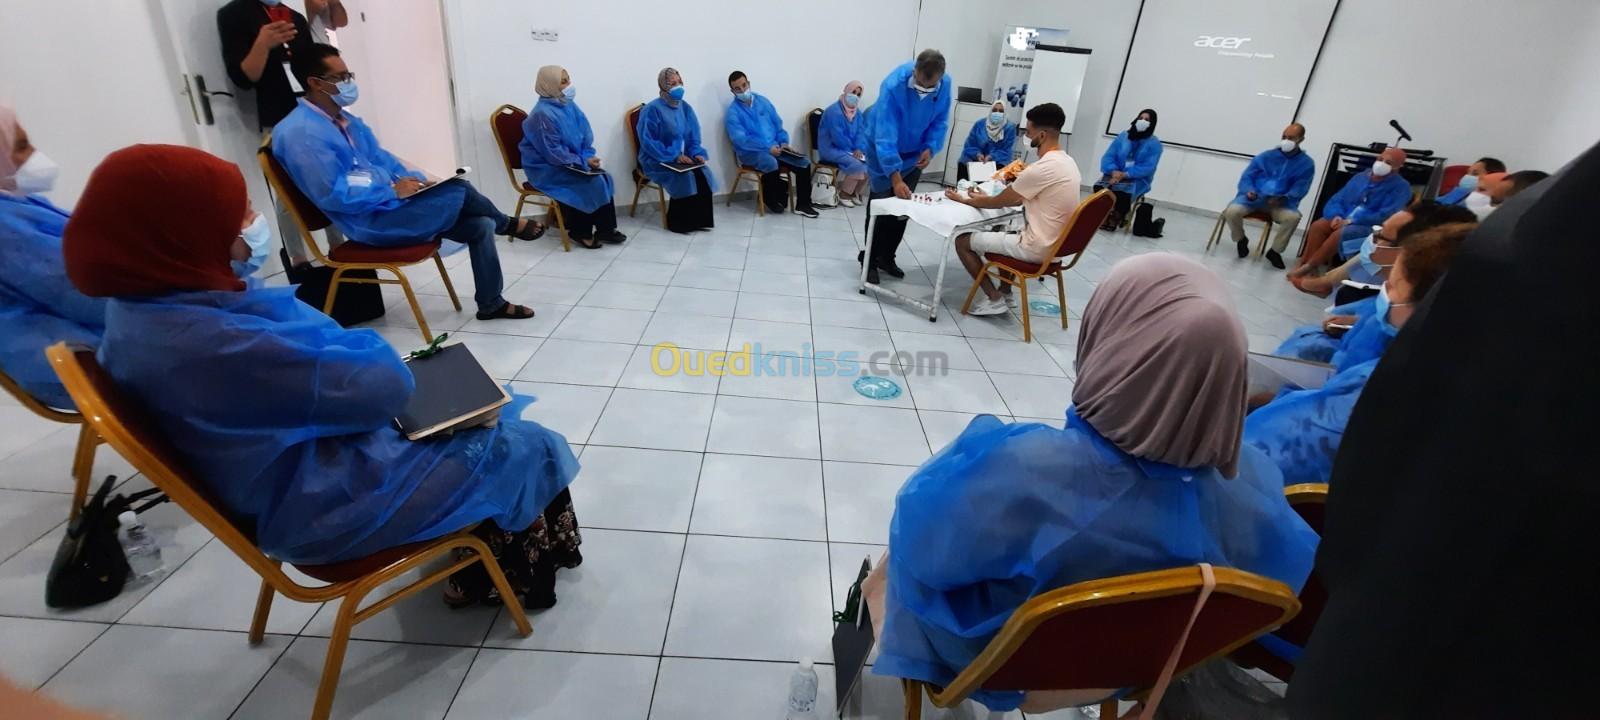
x=144, y=555
x=803, y=692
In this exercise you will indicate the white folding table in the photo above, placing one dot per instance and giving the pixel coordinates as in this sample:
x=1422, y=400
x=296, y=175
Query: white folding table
x=946, y=217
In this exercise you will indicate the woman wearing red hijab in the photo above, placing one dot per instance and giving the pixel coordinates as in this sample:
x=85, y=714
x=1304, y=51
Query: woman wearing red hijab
x=285, y=417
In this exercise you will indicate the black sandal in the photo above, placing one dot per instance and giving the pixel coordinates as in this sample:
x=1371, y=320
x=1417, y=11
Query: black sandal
x=590, y=243
x=530, y=231
x=507, y=311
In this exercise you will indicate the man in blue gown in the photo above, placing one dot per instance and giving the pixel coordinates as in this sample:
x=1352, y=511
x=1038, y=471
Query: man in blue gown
x=1274, y=183
x=372, y=196
x=907, y=127
x=761, y=142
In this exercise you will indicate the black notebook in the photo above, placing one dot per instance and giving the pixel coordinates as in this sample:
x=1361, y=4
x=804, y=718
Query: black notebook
x=852, y=642
x=584, y=170
x=680, y=167
x=453, y=392
x=791, y=152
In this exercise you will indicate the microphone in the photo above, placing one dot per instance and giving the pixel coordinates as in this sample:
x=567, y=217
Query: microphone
x=1403, y=134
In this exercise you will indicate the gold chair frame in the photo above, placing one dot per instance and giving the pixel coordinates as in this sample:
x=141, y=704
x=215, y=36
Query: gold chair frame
x=526, y=193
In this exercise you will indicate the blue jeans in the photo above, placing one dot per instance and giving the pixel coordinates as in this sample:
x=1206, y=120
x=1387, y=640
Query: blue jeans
x=476, y=228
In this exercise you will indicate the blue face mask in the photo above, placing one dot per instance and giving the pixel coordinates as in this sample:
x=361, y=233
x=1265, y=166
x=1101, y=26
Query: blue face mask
x=347, y=95
x=677, y=92
x=569, y=92
x=1368, y=247
x=997, y=117
x=1468, y=183
x=1383, y=305
x=745, y=96
x=852, y=100
x=258, y=235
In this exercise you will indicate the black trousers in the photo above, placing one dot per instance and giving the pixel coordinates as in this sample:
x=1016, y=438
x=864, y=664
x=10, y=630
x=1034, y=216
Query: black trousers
x=890, y=230
x=1120, y=210
x=775, y=188
x=584, y=226
x=693, y=212
x=1346, y=294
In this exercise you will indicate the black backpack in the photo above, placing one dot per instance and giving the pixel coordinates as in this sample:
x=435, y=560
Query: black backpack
x=1144, y=225
x=356, y=302
x=90, y=567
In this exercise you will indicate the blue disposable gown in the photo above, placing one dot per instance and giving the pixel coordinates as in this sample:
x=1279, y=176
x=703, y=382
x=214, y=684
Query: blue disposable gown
x=978, y=142
x=1351, y=238
x=1137, y=158
x=1275, y=173
x=1455, y=196
x=555, y=136
x=38, y=305
x=1309, y=342
x=1009, y=511
x=754, y=129
x=1300, y=430
x=665, y=132
x=838, y=139
x=287, y=420
x=1365, y=202
x=350, y=178
x=902, y=124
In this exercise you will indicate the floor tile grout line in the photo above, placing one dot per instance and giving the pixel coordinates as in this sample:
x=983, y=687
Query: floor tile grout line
x=275, y=660
x=75, y=655
x=683, y=555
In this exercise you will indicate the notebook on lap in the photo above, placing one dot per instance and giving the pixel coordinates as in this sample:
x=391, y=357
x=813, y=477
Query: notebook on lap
x=453, y=392
x=1271, y=372
x=681, y=167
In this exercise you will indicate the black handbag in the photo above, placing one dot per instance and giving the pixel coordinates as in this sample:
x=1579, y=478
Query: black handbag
x=90, y=567
x=356, y=302
x=1144, y=225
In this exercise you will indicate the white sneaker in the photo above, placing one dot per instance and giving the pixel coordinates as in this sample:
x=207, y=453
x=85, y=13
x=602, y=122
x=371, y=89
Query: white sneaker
x=1012, y=301
x=985, y=306
x=847, y=202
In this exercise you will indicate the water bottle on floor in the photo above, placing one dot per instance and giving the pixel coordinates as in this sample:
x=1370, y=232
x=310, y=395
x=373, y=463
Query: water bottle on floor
x=144, y=555
x=803, y=692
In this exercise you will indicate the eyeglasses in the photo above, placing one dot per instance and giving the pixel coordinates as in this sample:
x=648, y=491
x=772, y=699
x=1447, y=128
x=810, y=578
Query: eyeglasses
x=342, y=77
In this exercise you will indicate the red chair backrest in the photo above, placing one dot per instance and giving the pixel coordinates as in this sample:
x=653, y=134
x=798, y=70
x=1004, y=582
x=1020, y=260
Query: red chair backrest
x=1135, y=638
x=1084, y=222
x=507, y=123
x=1452, y=177
x=633, y=139
x=310, y=214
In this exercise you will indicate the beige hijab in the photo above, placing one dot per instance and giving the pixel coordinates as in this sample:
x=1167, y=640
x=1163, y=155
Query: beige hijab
x=548, y=83
x=1161, y=363
x=8, y=139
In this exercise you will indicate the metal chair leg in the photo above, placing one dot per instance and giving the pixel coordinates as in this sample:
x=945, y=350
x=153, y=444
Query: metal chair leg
x=258, y=624
x=1027, y=328
x=498, y=576
x=912, y=692
x=518, y=211
x=1061, y=296
x=977, y=282
x=444, y=274
x=333, y=291
x=1266, y=232
x=662, y=192
x=334, y=662
x=1216, y=234
x=561, y=224
x=634, y=209
x=82, y=469
x=411, y=297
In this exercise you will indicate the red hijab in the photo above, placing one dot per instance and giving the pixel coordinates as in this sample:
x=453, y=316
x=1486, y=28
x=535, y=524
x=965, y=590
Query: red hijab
x=154, y=220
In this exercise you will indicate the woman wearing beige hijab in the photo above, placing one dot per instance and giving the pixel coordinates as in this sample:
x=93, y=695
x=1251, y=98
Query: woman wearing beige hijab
x=559, y=158
x=1147, y=474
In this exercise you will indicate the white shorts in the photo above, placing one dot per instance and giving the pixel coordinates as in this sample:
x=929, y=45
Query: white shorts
x=1002, y=243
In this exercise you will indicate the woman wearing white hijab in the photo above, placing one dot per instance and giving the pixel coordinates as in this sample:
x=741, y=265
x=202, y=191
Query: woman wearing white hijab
x=992, y=139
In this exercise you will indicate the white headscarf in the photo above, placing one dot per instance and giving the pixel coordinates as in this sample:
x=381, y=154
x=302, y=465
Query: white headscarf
x=997, y=130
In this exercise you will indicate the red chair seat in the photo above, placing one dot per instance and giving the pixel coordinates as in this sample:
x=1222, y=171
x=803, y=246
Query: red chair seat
x=361, y=567
x=1026, y=267
x=354, y=252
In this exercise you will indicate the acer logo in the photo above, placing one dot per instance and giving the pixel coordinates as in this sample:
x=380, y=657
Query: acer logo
x=1219, y=41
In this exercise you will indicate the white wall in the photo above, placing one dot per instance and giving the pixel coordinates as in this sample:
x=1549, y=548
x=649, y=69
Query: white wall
x=1467, y=77
x=397, y=50
x=798, y=56
x=78, y=103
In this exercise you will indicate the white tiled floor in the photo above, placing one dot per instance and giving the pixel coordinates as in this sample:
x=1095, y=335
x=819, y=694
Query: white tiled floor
x=723, y=516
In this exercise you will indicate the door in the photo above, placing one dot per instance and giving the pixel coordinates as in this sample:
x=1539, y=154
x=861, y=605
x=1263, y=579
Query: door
x=224, y=115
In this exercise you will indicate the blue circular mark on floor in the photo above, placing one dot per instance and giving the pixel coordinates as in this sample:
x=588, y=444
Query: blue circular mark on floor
x=877, y=388
x=1044, y=307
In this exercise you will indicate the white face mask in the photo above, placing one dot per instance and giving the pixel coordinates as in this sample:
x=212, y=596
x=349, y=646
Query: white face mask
x=1381, y=168
x=1287, y=145
x=37, y=175
x=1141, y=124
x=1477, y=201
x=258, y=236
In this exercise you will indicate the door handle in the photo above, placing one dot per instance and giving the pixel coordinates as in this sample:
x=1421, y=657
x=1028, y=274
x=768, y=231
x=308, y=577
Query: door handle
x=204, y=98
